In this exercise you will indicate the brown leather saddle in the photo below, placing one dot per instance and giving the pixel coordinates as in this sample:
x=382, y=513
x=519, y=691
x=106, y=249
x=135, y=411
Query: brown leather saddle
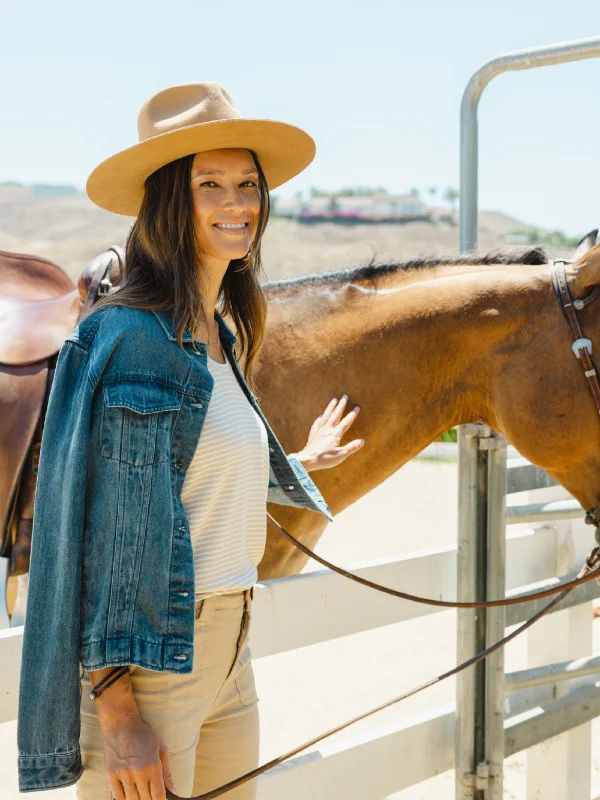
x=39, y=306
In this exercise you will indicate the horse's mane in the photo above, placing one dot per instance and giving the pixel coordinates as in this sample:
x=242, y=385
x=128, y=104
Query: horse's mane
x=534, y=256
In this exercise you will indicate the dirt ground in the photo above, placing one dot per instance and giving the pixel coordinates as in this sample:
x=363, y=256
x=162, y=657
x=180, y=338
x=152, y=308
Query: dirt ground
x=321, y=685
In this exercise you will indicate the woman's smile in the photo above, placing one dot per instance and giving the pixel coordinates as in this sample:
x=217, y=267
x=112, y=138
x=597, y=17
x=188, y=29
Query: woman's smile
x=230, y=228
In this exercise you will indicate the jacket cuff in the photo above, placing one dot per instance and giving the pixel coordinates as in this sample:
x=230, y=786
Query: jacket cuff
x=309, y=485
x=297, y=495
x=38, y=773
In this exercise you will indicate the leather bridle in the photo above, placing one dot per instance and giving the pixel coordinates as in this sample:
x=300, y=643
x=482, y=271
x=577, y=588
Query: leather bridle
x=582, y=347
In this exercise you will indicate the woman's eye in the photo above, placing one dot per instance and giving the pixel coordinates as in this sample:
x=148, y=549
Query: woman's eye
x=212, y=183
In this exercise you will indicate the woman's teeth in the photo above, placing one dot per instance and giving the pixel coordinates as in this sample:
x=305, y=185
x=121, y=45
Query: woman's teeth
x=231, y=226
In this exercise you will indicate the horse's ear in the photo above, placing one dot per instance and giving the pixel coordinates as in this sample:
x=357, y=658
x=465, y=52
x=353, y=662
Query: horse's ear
x=586, y=270
x=588, y=241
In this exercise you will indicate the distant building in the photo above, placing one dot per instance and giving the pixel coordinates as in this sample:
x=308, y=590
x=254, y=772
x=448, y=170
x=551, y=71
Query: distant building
x=50, y=190
x=518, y=237
x=352, y=208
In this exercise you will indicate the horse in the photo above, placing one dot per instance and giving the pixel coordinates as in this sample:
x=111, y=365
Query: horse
x=423, y=346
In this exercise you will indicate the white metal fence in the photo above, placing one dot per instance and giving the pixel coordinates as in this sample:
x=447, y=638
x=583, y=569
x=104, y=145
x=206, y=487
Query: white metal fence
x=539, y=703
x=481, y=744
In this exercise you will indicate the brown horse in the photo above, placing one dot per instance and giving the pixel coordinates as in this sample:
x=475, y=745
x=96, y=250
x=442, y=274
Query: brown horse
x=422, y=346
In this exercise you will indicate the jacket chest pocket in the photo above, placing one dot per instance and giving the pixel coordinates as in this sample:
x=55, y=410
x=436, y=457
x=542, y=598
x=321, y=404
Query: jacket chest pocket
x=137, y=420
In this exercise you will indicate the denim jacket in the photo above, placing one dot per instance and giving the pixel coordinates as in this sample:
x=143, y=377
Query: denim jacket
x=111, y=573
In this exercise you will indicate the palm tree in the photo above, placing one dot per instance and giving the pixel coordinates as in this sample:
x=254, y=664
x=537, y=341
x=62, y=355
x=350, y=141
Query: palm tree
x=451, y=195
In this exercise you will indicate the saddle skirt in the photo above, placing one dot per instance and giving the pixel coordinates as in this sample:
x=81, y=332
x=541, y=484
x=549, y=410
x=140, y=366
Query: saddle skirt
x=39, y=306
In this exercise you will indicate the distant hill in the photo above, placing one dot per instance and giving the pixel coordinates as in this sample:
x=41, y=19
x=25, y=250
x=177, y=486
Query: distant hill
x=61, y=224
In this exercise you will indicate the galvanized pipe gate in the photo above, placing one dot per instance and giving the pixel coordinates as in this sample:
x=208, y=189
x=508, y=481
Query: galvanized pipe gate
x=481, y=566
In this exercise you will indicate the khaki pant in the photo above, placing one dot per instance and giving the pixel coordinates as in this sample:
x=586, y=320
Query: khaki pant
x=208, y=719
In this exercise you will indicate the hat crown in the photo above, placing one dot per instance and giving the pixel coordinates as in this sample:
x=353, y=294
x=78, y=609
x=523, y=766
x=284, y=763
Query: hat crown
x=194, y=118
x=182, y=106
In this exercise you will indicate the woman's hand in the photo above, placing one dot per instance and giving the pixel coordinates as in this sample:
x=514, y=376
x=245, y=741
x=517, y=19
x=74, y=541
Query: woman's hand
x=137, y=764
x=323, y=447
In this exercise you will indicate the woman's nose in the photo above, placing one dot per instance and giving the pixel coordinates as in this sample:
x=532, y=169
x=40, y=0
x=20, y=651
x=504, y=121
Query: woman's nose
x=234, y=199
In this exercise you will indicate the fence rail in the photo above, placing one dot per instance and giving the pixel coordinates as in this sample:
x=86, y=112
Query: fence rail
x=305, y=609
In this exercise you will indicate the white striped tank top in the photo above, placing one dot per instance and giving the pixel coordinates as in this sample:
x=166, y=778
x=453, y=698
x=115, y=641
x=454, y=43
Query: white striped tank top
x=224, y=493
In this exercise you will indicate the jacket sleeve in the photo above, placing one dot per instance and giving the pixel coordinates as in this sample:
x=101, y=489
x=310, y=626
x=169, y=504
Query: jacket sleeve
x=48, y=723
x=276, y=494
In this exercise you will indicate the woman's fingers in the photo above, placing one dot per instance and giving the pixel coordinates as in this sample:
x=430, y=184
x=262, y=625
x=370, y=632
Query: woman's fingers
x=335, y=409
x=142, y=783
x=348, y=419
x=157, y=788
x=131, y=792
x=329, y=410
x=352, y=446
x=339, y=410
x=340, y=454
x=158, y=782
x=116, y=788
x=346, y=422
x=166, y=770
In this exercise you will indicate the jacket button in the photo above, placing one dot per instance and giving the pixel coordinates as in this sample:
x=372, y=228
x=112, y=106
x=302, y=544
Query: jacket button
x=272, y=449
x=177, y=465
x=182, y=527
x=290, y=487
x=180, y=657
x=184, y=594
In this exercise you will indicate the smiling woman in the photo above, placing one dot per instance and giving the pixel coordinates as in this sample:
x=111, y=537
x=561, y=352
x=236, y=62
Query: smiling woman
x=180, y=255
x=226, y=201
x=155, y=469
x=229, y=214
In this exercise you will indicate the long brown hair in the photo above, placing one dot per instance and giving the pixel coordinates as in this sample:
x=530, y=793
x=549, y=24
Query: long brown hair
x=162, y=257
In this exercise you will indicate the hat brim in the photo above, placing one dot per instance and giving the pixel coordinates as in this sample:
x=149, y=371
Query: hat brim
x=117, y=184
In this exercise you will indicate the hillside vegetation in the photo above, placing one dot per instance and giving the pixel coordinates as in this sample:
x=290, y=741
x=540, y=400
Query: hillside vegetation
x=70, y=230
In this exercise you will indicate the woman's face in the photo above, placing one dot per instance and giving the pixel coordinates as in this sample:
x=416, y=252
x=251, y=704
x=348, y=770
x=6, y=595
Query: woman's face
x=226, y=202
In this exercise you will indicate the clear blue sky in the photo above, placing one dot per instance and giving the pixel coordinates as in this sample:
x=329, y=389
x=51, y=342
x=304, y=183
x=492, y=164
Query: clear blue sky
x=378, y=85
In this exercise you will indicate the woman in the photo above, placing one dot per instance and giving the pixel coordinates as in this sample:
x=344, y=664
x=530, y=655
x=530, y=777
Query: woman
x=147, y=534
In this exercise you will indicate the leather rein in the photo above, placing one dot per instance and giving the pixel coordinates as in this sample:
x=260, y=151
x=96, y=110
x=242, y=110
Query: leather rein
x=582, y=348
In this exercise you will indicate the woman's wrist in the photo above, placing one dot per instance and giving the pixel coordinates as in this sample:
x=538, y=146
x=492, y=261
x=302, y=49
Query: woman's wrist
x=309, y=463
x=117, y=701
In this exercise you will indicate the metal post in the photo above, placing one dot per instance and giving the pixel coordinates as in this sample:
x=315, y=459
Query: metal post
x=469, y=501
x=469, y=155
x=481, y=560
x=479, y=744
x=495, y=621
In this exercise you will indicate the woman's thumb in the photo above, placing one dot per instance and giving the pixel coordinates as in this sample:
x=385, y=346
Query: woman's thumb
x=167, y=777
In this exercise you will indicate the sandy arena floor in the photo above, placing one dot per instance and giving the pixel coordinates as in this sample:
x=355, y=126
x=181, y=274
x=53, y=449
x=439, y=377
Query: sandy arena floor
x=324, y=684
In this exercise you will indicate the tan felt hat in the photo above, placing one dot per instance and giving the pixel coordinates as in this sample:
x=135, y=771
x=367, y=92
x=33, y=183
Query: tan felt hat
x=188, y=119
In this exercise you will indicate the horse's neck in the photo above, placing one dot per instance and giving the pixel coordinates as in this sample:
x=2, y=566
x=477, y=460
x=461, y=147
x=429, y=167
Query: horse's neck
x=418, y=353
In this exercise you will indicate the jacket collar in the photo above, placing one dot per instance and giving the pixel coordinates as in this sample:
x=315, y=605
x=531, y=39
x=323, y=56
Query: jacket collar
x=168, y=325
